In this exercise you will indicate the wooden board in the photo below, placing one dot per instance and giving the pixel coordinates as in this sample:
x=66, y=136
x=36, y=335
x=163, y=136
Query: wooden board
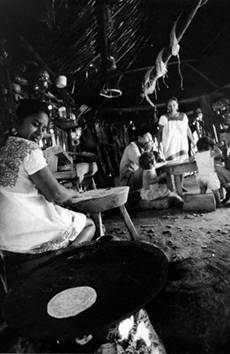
x=180, y=168
x=97, y=200
x=153, y=204
x=199, y=202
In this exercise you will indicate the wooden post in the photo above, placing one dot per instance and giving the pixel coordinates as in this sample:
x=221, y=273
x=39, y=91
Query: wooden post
x=199, y=202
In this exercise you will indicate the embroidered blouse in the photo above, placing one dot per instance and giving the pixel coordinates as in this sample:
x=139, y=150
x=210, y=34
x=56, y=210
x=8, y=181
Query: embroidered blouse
x=29, y=223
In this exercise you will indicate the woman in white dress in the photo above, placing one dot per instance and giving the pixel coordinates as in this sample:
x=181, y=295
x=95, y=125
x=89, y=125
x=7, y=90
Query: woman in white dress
x=30, y=219
x=173, y=134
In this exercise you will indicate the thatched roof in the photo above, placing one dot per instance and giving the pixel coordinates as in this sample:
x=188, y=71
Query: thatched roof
x=76, y=38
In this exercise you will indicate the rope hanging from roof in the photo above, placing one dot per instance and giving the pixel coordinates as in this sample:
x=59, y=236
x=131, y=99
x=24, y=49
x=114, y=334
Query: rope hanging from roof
x=160, y=68
x=175, y=48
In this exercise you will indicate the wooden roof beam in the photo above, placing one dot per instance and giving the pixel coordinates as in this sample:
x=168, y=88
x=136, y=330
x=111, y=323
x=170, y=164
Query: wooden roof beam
x=205, y=77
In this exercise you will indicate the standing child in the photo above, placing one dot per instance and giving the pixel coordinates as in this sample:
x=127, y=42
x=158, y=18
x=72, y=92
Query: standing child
x=207, y=176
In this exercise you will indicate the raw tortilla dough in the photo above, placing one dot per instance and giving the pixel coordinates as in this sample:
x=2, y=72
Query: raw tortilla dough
x=70, y=302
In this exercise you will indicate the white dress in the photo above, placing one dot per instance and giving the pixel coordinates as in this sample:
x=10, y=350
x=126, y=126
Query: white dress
x=175, y=137
x=28, y=222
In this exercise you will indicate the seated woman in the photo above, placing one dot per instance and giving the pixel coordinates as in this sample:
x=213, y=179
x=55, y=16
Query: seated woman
x=31, y=221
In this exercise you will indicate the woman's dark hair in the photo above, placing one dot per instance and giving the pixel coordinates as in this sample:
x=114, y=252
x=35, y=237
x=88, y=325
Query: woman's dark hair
x=204, y=143
x=28, y=107
x=173, y=99
x=147, y=160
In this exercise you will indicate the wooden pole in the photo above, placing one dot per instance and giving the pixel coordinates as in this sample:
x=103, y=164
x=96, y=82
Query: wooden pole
x=190, y=18
x=146, y=107
x=205, y=77
x=144, y=68
x=167, y=53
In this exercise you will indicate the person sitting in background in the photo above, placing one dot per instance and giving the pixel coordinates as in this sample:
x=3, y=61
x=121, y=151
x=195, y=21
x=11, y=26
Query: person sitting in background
x=130, y=171
x=207, y=176
x=153, y=186
x=31, y=219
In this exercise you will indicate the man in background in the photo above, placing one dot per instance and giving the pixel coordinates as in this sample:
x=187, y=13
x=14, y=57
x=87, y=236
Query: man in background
x=130, y=171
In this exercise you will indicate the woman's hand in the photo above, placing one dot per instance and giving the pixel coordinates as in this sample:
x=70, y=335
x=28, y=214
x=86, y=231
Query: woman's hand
x=76, y=194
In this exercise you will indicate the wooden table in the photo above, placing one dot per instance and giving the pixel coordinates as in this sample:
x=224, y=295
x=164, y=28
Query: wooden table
x=98, y=200
x=175, y=171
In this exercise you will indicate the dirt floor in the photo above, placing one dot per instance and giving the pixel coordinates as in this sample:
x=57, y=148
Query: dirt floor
x=192, y=314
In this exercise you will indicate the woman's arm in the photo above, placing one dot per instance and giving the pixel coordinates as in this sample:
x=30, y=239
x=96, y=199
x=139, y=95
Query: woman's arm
x=50, y=188
x=159, y=134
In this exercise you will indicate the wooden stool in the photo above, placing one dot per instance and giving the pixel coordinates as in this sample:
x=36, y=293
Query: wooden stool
x=99, y=200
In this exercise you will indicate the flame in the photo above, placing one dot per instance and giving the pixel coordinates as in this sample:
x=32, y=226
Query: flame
x=142, y=333
x=125, y=327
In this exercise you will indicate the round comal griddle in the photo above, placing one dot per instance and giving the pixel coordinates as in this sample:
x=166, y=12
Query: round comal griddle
x=86, y=288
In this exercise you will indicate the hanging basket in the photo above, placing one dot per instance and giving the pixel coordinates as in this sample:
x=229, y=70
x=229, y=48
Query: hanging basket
x=110, y=92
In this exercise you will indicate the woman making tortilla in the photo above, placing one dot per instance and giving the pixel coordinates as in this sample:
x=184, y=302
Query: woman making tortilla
x=32, y=223
x=30, y=219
